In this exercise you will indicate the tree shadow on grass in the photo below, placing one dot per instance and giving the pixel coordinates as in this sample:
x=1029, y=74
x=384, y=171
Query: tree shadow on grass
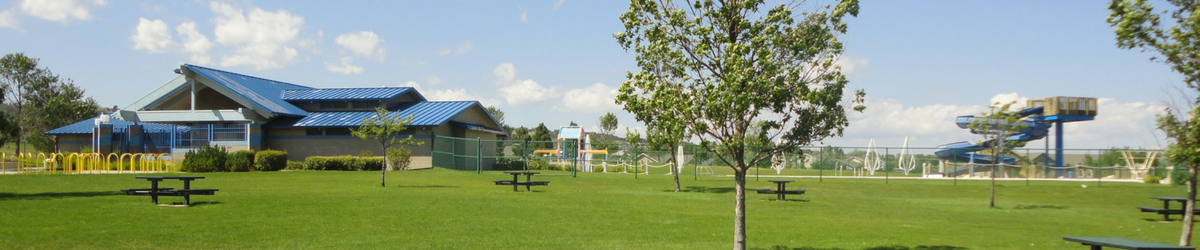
x=710, y=190
x=60, y=195
x=1031, y=207
x=427, y=186
x=777, y=247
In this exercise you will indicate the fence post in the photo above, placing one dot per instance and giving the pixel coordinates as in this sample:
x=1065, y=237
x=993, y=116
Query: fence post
x=886, y=172
x=478, y=156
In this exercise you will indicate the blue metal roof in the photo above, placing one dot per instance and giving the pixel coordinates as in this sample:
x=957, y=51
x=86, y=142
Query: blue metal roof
x=262, y=92
x=86, y=126
x=344, y=94
x=425, y=114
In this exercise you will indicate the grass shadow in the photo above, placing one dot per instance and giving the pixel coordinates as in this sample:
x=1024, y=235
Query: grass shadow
x=939, y=247
x=710, y=190
x=428, y=186
x=788, y=200
x=1039, y=207
x=51, y=196
x=205, y=203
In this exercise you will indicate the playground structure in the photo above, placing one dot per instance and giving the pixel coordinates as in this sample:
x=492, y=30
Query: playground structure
x=85, y=163
x=1037, y=118
x=573, y=146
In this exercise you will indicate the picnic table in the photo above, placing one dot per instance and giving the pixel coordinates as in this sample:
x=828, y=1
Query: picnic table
x=527, y=183
x=154, y=191
x=1099, y=242
x=1166, y=210
x=781, y=190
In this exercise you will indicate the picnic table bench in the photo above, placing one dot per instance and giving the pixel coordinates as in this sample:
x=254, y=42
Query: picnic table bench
x=1100, y=242
x=1166, y=210
x=154, y=191
x=527, y=183
x=781, y=190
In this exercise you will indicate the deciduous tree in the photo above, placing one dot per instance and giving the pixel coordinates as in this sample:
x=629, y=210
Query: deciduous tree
x=995, y=126
x=384, y=127
x=722, y=66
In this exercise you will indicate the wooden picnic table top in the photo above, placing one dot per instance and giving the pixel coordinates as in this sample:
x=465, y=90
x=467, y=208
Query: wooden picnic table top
x=520, y=173
x=1123, y=243
x=169, y=177
x=1179, y=199
x=781, y=181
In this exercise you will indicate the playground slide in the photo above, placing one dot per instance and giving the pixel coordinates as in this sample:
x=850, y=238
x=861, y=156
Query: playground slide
x=964, y=151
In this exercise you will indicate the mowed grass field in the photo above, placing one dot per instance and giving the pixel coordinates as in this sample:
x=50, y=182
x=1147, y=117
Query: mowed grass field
x=447, y=209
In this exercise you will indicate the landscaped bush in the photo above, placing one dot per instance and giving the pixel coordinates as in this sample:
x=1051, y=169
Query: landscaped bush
x=345, y=163
x=399, y=158
x=1151, y=179
x=508, y=164
x=1179, y=177
x=204, y=159
x=240, y=161
x=295, y=165
x=270, y=160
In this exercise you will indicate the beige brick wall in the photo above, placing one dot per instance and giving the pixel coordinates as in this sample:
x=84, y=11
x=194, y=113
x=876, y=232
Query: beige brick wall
x=300, y=146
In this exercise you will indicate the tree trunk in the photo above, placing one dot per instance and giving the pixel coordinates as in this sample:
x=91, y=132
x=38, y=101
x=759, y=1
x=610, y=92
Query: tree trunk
x=1188, y=216
x=675, y=169
x=383, y=171
x=993, y=202
x=739, y=211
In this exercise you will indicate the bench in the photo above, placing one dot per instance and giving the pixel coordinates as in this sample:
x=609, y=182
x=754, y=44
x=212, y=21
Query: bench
x=1164, y=211
x=771, y=191
x=1097, y=243
x=142, y=191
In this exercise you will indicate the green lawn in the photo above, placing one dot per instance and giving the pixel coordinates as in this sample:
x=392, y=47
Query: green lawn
x=446, y=209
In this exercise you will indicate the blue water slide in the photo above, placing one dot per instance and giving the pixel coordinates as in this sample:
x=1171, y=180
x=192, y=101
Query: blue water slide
x=964, y=151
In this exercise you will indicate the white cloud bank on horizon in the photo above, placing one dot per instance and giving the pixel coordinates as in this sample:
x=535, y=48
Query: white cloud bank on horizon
x=1118, y=124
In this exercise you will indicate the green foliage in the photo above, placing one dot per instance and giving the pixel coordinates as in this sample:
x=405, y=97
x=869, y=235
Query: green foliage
x=399, y=158
x=39, y=100
x=295, y=165
x=1151, y=179
x=343, y=163
x=270, y=160
x=497, y=114
x=204, y=159
x=543, y=164
x=366, y=153
x=542, y=137
x=508, y=164
x=608, y=123
x=240, y=161
x=1179, y=178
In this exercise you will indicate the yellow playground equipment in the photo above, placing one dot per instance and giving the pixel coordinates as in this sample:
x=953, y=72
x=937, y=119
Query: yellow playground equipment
x=84, y=163
x=574, y=140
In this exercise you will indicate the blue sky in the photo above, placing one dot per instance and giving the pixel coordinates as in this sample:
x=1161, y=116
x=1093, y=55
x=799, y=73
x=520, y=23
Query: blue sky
x=554, y=61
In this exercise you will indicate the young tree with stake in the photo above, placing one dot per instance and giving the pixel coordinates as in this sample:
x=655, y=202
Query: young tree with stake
x=384, y=127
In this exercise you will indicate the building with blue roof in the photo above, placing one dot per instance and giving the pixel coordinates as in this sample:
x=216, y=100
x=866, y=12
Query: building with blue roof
x=205, y=106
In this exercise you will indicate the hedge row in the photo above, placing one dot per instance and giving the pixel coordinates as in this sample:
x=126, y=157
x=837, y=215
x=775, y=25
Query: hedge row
x=216, y=159
x=345, y=162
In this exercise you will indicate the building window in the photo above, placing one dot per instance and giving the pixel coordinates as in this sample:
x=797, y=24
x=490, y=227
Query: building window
x=337, y=131
x=364, y=104
x=333, y=105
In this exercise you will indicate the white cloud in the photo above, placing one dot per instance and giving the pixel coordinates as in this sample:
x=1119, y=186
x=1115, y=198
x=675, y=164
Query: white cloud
x=344, y=67
x=559, y=3
x=60, y=10
x=854, y=68
x=524, y=15
x=520, y=92
x=1119, y=124
x=460, y=94
x=260, y=38
x=8, y=19
x=460, y=50
x=152, y=36
x=194, y=43
x=1010, y=97
x=598, y=98
x=362, y=43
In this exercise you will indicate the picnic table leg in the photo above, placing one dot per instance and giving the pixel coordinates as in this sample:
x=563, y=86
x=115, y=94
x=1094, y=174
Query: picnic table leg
x=515, y=182
x=1095, y=247
x=1167, y=206
x=781, y=187
x=154, y=191
x=527, y=183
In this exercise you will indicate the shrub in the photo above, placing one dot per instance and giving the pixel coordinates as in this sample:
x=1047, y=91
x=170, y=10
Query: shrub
x=295, y=165
x=399, y=158
x=1179, y=177
x=508, y=164
x=1151, y=179
x=345, y=162
x=270, y=160
x=204, y=159
x=366, y=153
x=240, y=161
